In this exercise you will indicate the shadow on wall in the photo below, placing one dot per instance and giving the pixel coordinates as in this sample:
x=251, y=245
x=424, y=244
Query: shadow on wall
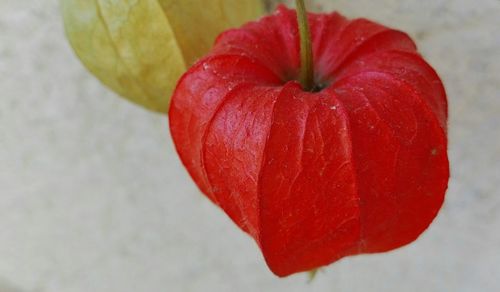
x=5, y=286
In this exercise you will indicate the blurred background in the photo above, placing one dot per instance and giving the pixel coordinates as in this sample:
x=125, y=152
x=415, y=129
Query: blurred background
x=94, y=198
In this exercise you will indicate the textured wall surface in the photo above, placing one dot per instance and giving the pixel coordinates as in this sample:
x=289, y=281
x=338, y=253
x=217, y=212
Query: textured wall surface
x=94, y=199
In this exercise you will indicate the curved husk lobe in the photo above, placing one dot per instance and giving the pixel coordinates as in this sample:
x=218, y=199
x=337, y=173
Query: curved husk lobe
x=140, y=48
x=359, y=167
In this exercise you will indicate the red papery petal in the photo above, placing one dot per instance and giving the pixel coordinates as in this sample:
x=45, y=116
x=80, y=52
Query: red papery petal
x=359, y=167
x=400, y=157
x=196, y=99
x=309, y=206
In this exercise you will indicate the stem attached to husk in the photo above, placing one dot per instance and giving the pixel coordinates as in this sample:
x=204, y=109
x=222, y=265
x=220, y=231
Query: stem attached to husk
x=306, y=55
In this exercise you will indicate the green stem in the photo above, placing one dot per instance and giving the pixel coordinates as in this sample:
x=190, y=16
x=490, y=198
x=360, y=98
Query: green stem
x=306, y=56
x=312, y=275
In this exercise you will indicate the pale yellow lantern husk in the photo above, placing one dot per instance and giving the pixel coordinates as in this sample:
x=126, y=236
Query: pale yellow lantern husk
x=140, y=48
